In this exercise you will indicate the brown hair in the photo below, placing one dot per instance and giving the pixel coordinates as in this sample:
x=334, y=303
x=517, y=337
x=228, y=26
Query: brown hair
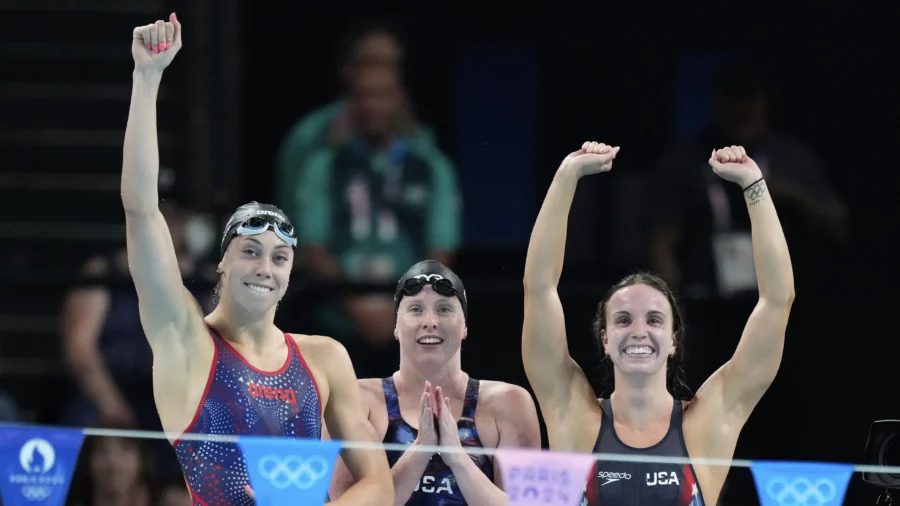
x=217, y=292
x=676, y=380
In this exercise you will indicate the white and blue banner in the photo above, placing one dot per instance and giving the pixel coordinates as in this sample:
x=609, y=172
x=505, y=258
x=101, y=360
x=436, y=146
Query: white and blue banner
x=289, y=471
x=37, y=464
x=801, y=483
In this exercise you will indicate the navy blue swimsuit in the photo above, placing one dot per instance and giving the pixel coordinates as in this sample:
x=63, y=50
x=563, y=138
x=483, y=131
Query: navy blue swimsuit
x=438, y=486
x=243, y=400
x=642, y=484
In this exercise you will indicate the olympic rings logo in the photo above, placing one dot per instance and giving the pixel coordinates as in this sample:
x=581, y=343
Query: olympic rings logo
x=36, y=493
x=293, y=470
x=801, y=491
x=756, y=191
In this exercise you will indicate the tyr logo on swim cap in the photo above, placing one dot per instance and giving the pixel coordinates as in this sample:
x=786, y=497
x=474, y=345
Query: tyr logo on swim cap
x=431, y=272
x=255, y=218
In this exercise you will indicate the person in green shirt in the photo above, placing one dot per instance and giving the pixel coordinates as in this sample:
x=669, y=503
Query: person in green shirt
x=372, y=205
x=371, y=43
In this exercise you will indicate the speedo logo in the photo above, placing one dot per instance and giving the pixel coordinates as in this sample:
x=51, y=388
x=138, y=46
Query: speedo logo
x=612, y=477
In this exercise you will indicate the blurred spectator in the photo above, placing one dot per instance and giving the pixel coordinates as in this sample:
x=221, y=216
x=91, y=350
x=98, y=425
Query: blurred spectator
x=9, y=408
x=700, y=239
x=373, y=206
x=104, y=344
x=112, y=471
x=174, y=491
x=370, y=44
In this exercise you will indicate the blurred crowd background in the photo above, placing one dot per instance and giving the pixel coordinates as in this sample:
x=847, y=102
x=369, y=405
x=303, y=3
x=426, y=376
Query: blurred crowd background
x=422, y=132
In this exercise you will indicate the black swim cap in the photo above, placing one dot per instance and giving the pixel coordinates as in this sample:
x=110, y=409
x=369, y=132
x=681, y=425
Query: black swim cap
x=254, y=209
x=439, y=276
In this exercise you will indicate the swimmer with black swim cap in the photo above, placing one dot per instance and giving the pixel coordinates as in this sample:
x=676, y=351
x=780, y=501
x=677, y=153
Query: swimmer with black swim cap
x=641, y=332
x=432, y=309
x=232, y=372
x=436, y=275
x=253, y=219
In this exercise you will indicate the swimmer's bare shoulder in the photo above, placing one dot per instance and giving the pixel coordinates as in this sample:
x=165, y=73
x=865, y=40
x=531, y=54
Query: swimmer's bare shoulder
x=373, y=400
x=499, y=395
x=323, y=355
x=513, y=412
x=343, y=410
x=318, y=352
x=328, y=361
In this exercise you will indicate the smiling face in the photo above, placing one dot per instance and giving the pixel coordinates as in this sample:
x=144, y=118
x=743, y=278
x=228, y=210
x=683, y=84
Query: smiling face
x=638, y=335
x=256, y=270
x=430, y=326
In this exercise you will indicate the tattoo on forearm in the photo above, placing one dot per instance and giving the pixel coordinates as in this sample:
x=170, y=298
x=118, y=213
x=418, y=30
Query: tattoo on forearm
x=756, y=192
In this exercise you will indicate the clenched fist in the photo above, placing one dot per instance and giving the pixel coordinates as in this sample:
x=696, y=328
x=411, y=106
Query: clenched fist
x=593, y=157
x=154, y=46
x=733, y=164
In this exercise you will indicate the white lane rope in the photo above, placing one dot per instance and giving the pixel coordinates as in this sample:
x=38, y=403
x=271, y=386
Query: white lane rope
x=363, y=445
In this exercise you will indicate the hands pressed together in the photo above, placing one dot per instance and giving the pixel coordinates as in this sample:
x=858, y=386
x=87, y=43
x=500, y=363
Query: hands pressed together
x=437, y=426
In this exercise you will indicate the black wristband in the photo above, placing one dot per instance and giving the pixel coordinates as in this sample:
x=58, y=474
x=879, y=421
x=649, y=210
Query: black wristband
x=753, y=183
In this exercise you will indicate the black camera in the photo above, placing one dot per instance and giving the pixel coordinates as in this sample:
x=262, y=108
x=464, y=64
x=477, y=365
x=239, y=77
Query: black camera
x=883, y=449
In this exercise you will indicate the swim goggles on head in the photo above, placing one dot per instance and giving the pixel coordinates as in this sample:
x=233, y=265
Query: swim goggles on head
x=441, y=285
x=257, y=225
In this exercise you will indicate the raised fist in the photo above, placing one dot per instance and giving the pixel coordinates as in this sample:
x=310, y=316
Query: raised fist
x=593, y=157
x=733, y=164
x=154, y=46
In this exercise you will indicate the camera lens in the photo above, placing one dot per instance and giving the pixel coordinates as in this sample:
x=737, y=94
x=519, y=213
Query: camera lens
x=890, y=455
x=883, y=449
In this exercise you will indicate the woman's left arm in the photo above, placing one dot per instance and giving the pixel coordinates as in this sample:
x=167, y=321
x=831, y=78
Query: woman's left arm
x=741, y=383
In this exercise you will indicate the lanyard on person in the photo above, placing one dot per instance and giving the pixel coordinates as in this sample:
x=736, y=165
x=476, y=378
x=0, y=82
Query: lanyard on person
x=732, y=250
x=375, y=209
